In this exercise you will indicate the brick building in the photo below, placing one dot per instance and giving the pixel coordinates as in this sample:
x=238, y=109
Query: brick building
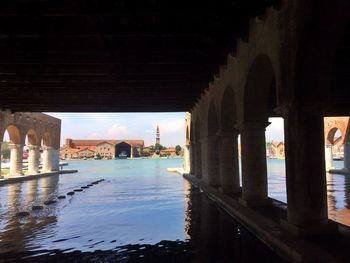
x=108, y=149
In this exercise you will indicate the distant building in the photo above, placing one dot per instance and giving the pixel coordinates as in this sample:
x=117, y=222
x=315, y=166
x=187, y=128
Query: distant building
x=108, y=149
x=169, y=151
x=149, y=150
x=85, y=153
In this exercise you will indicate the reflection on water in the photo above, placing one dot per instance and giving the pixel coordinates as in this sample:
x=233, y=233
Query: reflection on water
x=138, y=203
x=338, y=188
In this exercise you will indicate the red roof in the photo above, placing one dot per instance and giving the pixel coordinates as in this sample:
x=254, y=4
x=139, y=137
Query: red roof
x=93, y=143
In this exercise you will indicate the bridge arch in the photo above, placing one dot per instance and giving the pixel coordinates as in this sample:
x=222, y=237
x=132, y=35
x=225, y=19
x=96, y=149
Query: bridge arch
x=14, y=134
x=213, y=177
x=259, y=101
x=46, y=139
x=228, y=120
x=32, y=136
x=260, y=97
x=198, y=148
x=229, y=167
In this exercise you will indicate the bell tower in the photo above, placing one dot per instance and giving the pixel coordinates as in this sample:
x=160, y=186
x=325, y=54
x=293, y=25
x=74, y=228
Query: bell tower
x=158, y=135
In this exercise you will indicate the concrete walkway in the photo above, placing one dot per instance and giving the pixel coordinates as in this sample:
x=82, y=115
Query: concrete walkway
x=264, y=223
x=16, y=179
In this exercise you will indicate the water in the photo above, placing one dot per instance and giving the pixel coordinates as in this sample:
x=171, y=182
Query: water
x=134, y=210
x=338, y=189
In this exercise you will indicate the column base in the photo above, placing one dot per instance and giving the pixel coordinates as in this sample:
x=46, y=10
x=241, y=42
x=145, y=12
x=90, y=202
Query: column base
x=330, y=227
x=230, y=190
x=254, y=203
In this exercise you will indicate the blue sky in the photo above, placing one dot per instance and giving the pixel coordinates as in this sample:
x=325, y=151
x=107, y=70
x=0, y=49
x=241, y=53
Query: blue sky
x=137, y=126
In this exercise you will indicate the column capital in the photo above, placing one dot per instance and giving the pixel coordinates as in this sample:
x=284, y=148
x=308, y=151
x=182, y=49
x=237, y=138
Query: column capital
x=15, y=146
x=47, y=148
x=33, y=147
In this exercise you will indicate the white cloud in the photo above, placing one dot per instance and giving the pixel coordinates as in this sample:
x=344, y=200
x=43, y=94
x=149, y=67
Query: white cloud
x=172, y=126
x=117, y=131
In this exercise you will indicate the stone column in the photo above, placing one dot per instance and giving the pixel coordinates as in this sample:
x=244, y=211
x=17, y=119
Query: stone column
x=254, y=167
x=198, y=161
x=229, y=166
x=328, y=156
x=186, y=158
x=347, y=156
x=131, y=152
x=48, y=159
x=192, y=158
x=213, y=176
x=33, y=159
x=55, y=159
x=305, y=172
x=16, y=159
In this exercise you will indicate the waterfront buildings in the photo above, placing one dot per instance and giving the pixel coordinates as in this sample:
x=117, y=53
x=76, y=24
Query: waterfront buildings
x=107, y=149
x=171, y=152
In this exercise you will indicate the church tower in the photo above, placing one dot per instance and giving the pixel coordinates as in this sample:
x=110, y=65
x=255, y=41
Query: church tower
x=157, y=135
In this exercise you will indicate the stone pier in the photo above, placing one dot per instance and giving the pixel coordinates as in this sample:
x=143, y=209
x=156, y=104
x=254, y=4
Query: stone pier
x=33, y=159
x=16, y=159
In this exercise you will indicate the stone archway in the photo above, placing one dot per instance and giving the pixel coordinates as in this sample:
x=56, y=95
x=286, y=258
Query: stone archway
x=39, y=129
x=198, y=149
x=336, y=146
x=259, y=102
x=16, y=148
x=213, y=177
x=14, y=134
x=229, y=167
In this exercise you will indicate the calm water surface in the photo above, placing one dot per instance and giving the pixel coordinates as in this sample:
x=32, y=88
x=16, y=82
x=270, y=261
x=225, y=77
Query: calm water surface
x=139, y=202
x=338, y=187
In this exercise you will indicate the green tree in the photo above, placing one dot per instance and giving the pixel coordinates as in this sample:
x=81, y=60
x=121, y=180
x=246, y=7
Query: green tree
x=158, y=147
x=178, y=149
x=5, y=150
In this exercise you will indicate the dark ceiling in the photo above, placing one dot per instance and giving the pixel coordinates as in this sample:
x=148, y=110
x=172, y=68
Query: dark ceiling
x=115, y=55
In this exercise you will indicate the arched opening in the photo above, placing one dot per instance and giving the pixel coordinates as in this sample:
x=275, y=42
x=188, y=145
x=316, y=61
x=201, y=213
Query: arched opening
x=192, y=150
x=46, y=139
x=198, y=153
x=229, y=167
x=260, y=100
x=122, y=150
x=335, y=143
x=213, y=177
x=11, y=149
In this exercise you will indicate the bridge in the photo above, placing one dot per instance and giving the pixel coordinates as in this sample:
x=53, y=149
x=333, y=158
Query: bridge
x=41, y=131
